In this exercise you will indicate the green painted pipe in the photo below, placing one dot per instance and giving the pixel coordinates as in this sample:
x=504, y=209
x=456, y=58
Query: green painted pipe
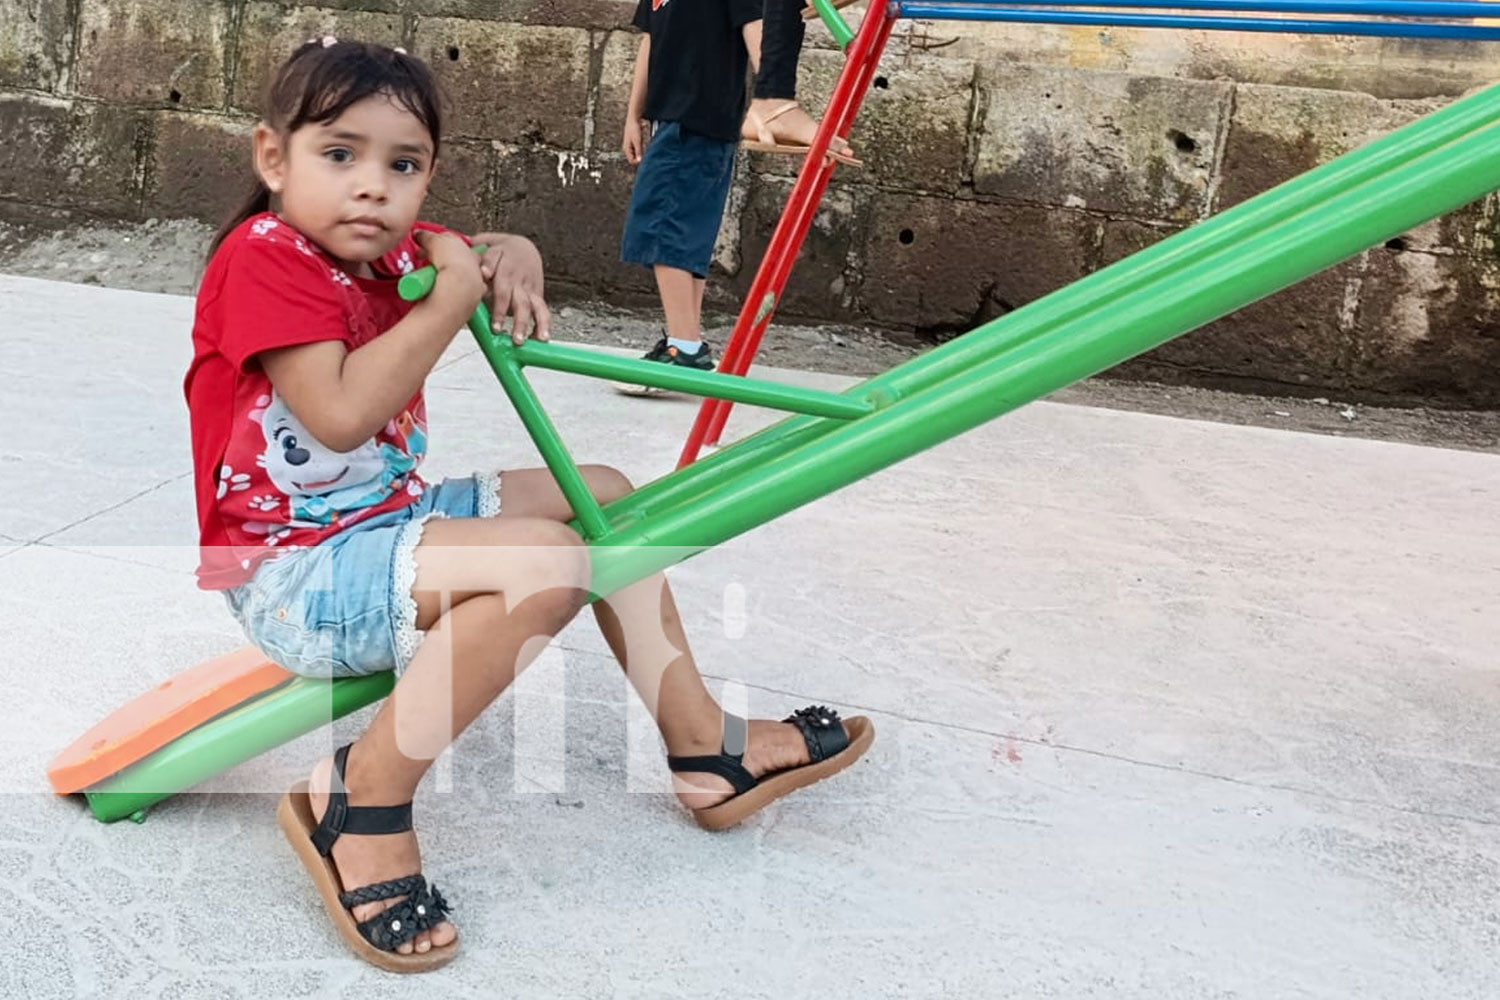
x=501, y=354
x=595, y=364
x=506, y=360
x=1092, y=294
x=1322, y=234
x=758, y=392
x=1095, y=292
x=837, y=26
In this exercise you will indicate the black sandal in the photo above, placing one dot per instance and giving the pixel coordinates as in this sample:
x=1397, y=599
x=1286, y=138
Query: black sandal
x=832, y=745
x=376, y=939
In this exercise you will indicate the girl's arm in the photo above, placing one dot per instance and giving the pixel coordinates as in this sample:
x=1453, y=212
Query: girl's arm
x=344, y=397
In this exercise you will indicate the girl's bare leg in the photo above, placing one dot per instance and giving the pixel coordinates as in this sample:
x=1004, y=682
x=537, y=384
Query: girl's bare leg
x=645, y=632
x=489, y=594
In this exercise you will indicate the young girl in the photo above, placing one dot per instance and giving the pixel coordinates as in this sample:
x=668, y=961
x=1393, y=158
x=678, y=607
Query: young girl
x=338, y=559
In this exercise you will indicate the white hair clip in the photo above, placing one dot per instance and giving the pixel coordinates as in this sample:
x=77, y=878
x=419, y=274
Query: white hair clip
x=327, y=41
x=399, y=51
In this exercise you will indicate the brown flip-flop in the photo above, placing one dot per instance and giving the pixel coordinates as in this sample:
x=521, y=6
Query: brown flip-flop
x=375, y=940
x=764, y=140
x=832, y=745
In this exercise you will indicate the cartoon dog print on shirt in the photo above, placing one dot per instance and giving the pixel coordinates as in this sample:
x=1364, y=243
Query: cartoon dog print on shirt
x=320, y=483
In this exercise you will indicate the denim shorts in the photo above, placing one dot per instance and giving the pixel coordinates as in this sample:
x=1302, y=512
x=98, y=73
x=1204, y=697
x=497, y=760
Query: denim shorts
x=344, y=608
x=678, y=200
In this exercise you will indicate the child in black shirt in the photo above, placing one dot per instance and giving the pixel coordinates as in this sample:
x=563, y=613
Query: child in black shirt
x=689, y=83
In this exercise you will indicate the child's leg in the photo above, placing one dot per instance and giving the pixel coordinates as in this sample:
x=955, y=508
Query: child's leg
x=677, y=209
x=644, y=631
x=774, y=114
x=681, y=301
x=489, y=593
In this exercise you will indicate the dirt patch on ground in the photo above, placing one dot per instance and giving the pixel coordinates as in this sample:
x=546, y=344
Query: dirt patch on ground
x=151, y=257
x=167, y=257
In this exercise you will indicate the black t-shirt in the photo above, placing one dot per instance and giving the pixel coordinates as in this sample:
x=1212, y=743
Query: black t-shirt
x=698, y=63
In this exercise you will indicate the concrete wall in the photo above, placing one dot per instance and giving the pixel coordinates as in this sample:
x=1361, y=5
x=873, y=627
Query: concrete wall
x=1002, y=164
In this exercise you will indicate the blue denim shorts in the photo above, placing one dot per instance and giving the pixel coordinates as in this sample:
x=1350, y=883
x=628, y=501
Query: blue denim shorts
x=678, y=200
x=345, y=608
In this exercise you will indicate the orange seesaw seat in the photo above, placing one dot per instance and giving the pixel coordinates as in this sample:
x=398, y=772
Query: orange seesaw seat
x=161, y=715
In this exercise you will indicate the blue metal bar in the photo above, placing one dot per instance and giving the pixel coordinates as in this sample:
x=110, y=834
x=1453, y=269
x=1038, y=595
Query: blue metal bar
x=951, y=11
x=1379, y=8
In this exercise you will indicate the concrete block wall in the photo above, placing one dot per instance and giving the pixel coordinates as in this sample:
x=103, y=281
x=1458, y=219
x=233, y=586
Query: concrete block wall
x=995, y=173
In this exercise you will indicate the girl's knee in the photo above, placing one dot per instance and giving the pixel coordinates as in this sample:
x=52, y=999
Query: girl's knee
x=552, y=534
x=519, y=557
x=541, y=564
x=560, y=560
x=606, y=482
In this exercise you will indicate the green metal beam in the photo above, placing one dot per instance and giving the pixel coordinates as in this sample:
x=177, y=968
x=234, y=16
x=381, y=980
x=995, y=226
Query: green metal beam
x=757, y=392
x=1171, y=300
x=837, y=26
x=1091, y=295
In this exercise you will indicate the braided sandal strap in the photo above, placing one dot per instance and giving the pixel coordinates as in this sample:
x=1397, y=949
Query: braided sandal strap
x=821, y=729
x=406, y=885
x=423, y=909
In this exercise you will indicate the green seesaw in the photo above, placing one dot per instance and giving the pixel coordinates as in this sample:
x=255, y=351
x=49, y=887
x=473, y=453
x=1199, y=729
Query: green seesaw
x=224, y=712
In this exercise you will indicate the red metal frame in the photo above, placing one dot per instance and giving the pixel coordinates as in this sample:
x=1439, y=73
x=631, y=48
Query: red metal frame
x=861, y=58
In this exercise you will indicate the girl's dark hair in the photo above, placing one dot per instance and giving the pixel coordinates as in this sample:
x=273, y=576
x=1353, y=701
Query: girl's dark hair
x=319, y=82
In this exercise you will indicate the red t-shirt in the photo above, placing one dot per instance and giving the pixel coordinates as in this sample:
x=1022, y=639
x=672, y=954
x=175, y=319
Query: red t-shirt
x=264, y=484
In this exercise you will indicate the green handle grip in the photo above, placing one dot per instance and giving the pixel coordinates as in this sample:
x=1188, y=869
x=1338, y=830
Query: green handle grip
x=418, y=284
x=842, y=33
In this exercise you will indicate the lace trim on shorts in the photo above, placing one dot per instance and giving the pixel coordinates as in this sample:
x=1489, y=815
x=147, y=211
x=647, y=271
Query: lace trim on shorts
x=403, y=577
x=488, y=485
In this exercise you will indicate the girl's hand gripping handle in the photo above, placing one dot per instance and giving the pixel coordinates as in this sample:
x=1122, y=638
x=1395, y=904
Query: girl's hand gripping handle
x=453, y=283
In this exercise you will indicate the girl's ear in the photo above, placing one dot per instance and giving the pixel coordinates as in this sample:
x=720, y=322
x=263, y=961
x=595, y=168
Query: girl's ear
x=270, y=157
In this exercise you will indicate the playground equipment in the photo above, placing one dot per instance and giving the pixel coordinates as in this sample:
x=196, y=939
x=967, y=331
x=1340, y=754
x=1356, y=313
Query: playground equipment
x=1421, y=19
x=229, y=710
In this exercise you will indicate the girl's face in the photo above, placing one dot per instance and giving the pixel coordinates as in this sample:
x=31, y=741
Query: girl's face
x=353, y=185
